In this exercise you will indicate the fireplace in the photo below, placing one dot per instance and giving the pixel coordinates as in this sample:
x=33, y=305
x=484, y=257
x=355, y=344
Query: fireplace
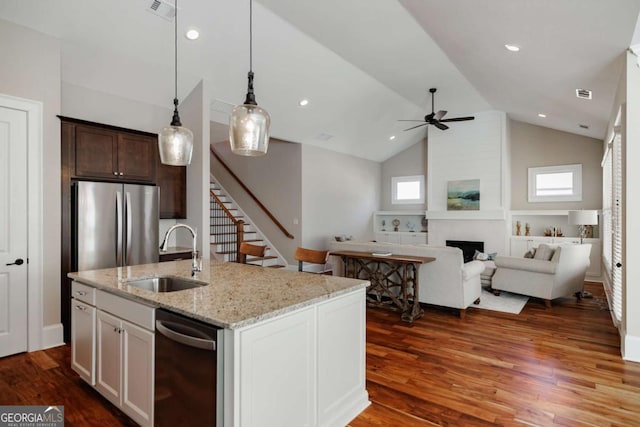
x=469, y=248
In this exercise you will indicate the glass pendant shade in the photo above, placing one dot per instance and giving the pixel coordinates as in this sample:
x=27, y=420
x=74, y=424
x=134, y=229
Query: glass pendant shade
x=249, y=130
x=175, y=144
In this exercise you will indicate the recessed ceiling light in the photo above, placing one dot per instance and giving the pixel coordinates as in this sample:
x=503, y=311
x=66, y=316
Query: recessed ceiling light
x=303, y=102
x=192, y=34
x=542, y=115
x=512, y=47
x=392, y=137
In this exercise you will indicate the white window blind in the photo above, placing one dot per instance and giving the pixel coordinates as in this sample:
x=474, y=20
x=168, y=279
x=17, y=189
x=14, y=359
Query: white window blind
x=612, y=224
x=616, y=225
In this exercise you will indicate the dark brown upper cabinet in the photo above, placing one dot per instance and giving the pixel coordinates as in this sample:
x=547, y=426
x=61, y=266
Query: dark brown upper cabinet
x=110, y=154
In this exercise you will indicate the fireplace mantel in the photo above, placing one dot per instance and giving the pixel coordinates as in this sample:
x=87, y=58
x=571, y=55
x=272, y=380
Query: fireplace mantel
x=498, y=215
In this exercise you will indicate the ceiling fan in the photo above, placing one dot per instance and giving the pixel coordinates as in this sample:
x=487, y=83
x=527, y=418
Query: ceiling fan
x=435, y=119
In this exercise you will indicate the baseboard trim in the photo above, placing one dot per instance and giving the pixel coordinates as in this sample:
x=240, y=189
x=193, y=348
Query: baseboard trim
x=631, y=348
x=52, y=336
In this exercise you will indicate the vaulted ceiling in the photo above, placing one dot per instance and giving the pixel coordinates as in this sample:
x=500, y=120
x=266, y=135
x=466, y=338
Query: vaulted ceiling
x=362, y=64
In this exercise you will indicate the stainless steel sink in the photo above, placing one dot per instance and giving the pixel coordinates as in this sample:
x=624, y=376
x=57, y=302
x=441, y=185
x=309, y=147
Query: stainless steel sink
x=165, y=284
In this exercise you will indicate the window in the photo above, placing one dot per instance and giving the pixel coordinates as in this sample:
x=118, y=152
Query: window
x=407, y=189
x=555, y=184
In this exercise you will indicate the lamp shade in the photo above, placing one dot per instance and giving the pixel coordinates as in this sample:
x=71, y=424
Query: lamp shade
x=249, y=130
x=175, y=144
x=583, y=217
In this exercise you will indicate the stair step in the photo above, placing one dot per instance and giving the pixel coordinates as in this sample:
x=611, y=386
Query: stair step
x=225, y=217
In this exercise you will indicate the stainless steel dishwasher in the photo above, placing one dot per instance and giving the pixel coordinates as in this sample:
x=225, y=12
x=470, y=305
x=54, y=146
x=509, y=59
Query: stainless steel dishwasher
x=186, y=371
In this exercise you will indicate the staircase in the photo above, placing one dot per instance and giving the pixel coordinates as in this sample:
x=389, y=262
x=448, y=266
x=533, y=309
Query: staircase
x=223, y=236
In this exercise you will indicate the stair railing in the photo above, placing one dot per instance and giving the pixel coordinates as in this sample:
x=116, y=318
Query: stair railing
x=255, y=199
x=229, y=231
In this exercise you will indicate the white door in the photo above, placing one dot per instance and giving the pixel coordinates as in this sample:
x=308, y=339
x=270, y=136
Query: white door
x=13, y=231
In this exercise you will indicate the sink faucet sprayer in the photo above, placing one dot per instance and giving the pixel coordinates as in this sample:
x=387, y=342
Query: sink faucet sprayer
x=195, y=264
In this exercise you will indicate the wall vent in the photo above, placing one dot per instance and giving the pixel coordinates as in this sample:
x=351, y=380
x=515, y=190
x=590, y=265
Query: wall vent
x=584, y=126
x=162, y=9
x=583, y=93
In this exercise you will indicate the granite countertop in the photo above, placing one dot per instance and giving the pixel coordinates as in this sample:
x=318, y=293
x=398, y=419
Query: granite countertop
x=236, y=295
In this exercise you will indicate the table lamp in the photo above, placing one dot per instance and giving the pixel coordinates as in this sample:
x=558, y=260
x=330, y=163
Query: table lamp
x=582, y=218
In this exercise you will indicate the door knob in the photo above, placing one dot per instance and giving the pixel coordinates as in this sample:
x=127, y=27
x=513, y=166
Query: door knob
x=19, y=261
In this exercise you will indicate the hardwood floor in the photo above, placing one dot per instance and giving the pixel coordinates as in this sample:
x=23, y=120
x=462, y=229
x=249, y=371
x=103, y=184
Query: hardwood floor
x=543, y=367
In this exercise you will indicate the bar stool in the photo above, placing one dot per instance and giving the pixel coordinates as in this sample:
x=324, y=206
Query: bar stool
x=311, y=256
x=253, y=250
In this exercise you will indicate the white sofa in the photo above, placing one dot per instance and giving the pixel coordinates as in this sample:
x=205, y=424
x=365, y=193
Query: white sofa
x=447, y=281
x=560, y=276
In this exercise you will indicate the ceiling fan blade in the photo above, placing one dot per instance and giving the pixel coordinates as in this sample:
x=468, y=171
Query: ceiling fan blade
x=400, y=120
x=440, y=114
x=458, y=119
x=423, y=124
x=440, y=126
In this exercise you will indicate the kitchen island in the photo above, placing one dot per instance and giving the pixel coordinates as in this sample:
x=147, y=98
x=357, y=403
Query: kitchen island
x=291, y=351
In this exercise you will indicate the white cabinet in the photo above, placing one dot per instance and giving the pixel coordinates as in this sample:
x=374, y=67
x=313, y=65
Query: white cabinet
x=391, y=237
x=125, y=355
x=83, y=340
x=410, y=228
x=83, y=331
x=112, y=348
x=304, y=368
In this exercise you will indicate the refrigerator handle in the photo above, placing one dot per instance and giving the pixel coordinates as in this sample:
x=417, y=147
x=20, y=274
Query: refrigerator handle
x=118, y=228
x=129, y=226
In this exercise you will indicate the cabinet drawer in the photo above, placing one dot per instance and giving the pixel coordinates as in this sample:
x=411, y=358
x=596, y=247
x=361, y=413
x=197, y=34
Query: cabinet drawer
x=83, y=293
x=140, y=314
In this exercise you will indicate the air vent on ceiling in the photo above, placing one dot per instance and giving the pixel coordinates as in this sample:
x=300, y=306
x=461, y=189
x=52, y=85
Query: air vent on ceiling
x=323, y=136
x=584, y=126
x=221, y=106
x=162, y=9
x=583, y=93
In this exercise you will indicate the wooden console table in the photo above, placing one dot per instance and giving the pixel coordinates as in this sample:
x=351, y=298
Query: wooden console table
x=394, y=280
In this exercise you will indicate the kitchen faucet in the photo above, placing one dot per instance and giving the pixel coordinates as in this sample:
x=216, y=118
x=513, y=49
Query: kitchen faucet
x=195, y=265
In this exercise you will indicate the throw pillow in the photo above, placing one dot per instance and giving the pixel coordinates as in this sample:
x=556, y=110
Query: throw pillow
x=544, y=252
x=480, y=256
x=530, y=253
x=492, y=256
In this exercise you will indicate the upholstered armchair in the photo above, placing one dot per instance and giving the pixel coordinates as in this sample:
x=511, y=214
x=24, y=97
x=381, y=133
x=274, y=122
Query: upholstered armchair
x=561, y=275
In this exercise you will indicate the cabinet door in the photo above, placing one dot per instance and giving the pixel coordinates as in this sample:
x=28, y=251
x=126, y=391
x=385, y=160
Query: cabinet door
x=172, y=181
x=96, y=152
x=83, y=327
x=109, y=361
x=136, y=157
x=519, y=246
x=595, y=258
x=137, y=371
x=413, y=238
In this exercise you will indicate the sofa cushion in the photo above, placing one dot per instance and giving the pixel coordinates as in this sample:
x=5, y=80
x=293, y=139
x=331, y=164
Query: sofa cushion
x=533, y=265
x=543, y=253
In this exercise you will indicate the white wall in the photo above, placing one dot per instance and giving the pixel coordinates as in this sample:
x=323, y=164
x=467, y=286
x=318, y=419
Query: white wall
x=536, y=146
x=31, y=69
x=339, y=195
x=469, y=150
x=410, y=162
x=194, y=114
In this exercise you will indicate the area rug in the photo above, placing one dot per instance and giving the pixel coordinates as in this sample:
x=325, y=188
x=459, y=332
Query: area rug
x=506, y=302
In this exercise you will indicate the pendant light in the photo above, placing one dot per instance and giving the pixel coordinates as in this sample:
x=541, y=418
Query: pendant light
x=175, y=142
x=248, y=123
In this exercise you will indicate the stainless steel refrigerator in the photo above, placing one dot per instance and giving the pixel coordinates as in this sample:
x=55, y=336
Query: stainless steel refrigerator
x=115, y=224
